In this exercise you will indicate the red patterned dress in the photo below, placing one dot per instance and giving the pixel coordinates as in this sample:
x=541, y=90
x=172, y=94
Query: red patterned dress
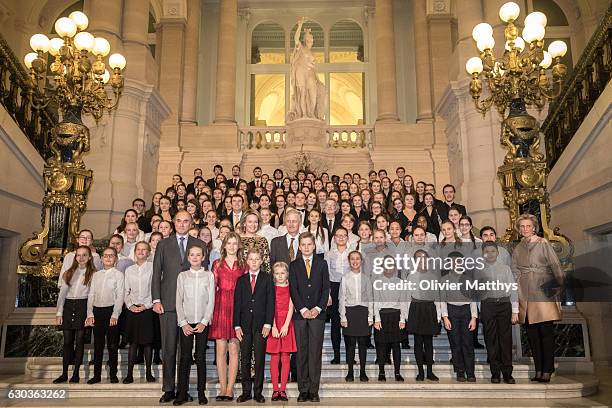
x=282, y=344
x=222, y=326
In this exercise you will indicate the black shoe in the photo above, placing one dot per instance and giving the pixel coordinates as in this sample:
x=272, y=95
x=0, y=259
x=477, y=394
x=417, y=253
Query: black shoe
x=178, y=402
x=61, y=379
x=228, y=398
x=220, y=398
x=363, y=377
x=509, y=380
x=398, y=377
x=495, y=380
x=94, y=380
x=420, y=377
x=461, y=377
x=432, y=377
x=128, y=380
x=91, y=362
x=150, y=378
x=113, y=379
x=276, y=396
x=315, y=397
x=167, y=397
x=74, y=379
x=283, y=396
x=335, y=360
x=243, y=398
x=260, y=399
x=382, y=377
x=189, y=398
x=202, y=400
x=303, y=397
x=478, y=346
x=471, y=379
x=349, y=377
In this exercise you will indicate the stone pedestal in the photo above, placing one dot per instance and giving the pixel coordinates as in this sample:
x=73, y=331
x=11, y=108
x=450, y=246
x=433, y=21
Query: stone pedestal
x=306, y=132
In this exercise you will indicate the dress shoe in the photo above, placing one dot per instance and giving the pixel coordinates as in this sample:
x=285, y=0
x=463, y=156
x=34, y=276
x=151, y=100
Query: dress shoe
x=178, y=402
x=471, y=379
x=202, y=400
x=495, y=380
x=283, y=396
x=303, y=397
x=260, y=399
x=243, y=398
x=167, y=397
x=189, y=398
x=94, y=380
x=150, y=378
x=61, y=379
x=128, y=380
x=349, y=377
x=113, y=379
x=382, y=377
x=315, y=397
x=276, y=396
x=536, y=377
x=74, y=379
x=335, y=360
x=363, y=377
x=220, y=398
x=228, y=398
x=460, y=377
x=432, y=377
x=509, y=380
x=398, y=377
x=420, y=377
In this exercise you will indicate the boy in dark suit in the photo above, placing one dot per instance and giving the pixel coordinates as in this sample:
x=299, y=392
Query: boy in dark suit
x=309, y=287
x=253, y=319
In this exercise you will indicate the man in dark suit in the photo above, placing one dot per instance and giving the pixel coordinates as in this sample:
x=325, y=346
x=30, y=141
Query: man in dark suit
x=170, y=260
x=449, y=201
x=235, y=216
x=253, y=318
x=192, y=186
x=256, y=182
x=309, y=287
x=278, y=178
x=331, y=218
x=235, y=179
x=212, y=182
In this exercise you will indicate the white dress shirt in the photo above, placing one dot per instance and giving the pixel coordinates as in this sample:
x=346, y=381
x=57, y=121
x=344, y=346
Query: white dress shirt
x=338, y=263
x=321, y=243
x=195, y=297
x=107, y=289
x=385, y=298
x=76, y=290
x=138, y=285
x=256, y=273
x=352, y=289
x=268, y=232
x=123, y=262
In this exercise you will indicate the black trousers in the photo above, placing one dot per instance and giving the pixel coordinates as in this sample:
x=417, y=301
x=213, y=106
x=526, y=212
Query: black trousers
x=252, y=342
x=423, y=351
x=350, y=342
x=334, y=315
x=542, y=343
x=185, y=359
x=309, y=340
x=496, y=319
x=461, y=339
x=103, y=333
x=382, y=351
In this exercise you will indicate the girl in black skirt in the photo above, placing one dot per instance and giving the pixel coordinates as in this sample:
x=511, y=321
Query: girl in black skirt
x=139, y=320
x=72, y=311
x=423, y=316
x=356, y=314
x=390, y=313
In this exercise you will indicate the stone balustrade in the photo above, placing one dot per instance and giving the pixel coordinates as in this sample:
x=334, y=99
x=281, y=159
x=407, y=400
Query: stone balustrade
x=266, y=137
x=350, y=136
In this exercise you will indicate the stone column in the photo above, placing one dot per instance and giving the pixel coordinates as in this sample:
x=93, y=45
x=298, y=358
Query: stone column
x=225, y=99
x=422, y=62
x=386, y=87
x=440, y=45
x=190, y=69
x=468, y=15
x=135, y=33
x=105, y=21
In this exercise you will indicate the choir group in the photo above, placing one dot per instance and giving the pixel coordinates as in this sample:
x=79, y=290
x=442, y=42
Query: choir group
x=260, y=266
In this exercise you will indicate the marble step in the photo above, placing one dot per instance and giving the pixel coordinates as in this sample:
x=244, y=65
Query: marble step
x=52, y=369
x=561, y=387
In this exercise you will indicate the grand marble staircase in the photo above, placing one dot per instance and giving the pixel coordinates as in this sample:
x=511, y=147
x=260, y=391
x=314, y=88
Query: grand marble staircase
x=334, y=390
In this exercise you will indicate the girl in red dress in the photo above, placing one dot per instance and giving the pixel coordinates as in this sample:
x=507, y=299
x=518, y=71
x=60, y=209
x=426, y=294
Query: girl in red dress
x=282, y=341
x=227, y=270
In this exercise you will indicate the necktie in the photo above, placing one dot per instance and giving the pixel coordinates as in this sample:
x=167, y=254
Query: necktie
x=182, y=248
x=257, y=183
x=307, y=260
x=253, y=282
x=291, y=250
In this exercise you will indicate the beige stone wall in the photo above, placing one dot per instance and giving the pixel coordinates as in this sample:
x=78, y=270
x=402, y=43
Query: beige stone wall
x=21, y=192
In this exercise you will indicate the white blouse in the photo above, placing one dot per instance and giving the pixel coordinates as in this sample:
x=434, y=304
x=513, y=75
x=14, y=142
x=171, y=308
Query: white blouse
x=338, y=263
x=195, y=297
x=138, y=285
x=76, y=290
x=106, y=290
x=355, y=290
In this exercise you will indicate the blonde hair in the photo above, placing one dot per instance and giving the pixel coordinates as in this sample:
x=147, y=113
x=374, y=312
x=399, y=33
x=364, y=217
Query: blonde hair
x=282, y=265
x=530, y=217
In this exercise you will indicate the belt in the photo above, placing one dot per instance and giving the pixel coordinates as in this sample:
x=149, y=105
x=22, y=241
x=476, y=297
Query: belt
x=496, y=300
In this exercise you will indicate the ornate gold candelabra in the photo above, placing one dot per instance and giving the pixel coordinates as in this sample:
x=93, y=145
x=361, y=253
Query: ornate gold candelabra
x=523, y=76
x=78, y=84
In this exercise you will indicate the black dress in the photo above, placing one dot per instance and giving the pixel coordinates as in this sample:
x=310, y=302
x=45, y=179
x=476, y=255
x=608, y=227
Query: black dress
x=357, y=319
x=74, y=314
x=390, y=331
x=139, y=327
x=423, y=318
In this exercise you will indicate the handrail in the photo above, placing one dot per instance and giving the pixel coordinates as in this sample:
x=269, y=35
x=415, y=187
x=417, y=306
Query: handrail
x=582, y=88
x=35, y=124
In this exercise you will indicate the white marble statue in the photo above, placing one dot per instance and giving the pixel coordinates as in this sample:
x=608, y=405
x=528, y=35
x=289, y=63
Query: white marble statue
x=308, y=94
